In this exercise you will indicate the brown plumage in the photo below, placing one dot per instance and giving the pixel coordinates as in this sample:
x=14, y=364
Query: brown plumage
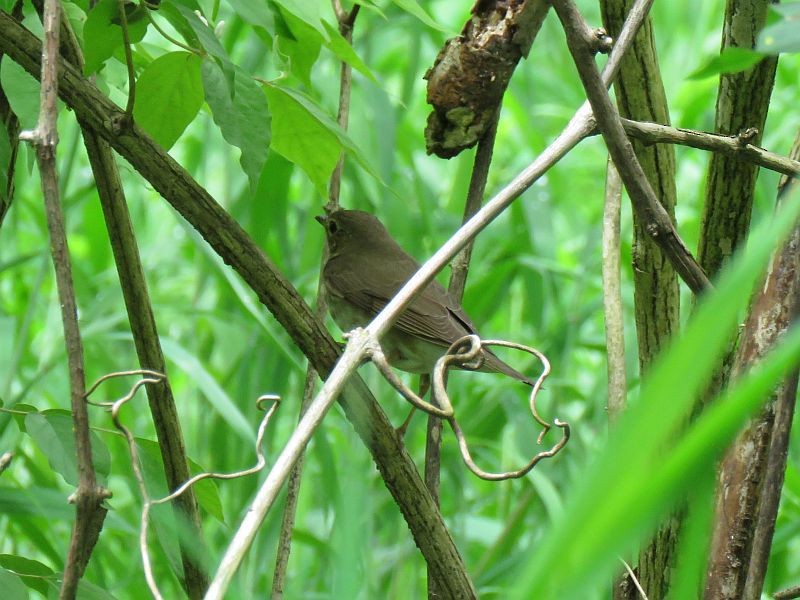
x=365, y=269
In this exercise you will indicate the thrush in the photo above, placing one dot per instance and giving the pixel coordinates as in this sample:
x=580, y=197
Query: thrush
x=365, y=269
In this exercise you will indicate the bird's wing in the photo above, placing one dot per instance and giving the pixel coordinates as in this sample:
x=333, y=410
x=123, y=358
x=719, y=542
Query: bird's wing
x=431, y=316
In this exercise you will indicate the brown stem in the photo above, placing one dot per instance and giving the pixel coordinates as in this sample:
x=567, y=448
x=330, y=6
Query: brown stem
x=346, y=21
x=89, y=496
x=751, y=473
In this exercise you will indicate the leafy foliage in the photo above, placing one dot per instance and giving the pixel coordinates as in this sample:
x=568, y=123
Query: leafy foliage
x=245, y=95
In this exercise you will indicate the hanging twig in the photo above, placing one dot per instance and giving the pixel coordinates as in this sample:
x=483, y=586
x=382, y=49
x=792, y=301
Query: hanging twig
x=154, y=378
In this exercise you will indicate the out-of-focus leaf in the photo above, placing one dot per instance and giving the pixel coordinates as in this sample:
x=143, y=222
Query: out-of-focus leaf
x=12, y=586
x=784, y=34
x=169, y=94
x=730, y=60
x=32, y=573
x=413, y=7
x=52, y=430
x=22, y=91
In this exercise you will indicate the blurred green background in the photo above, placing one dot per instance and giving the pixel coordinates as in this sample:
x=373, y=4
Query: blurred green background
x=534, y=279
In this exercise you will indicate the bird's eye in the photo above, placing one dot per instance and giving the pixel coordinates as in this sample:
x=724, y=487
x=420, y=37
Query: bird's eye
x=332, y=226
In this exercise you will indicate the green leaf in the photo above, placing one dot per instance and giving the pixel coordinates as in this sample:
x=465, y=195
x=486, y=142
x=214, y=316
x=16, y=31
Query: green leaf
x=205, y=35
x=344, y=52
x=255, y=13
x=32, y=573
x=102, y=35
x=663, y=460
x=22, y=91
x=784, y=34
x=169, y=94
x=301, y=137
x=306, y=136
x=12, y=586
x=412, y=7
x=730, y=60
x=307, y=11
x=242, y=114
x=52, y=431
x=296, y=46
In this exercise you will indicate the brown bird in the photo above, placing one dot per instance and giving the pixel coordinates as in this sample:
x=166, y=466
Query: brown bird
x=365, y=269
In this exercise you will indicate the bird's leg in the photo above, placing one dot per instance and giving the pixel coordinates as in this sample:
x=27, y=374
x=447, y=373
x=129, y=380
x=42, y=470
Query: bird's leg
x=424, y=386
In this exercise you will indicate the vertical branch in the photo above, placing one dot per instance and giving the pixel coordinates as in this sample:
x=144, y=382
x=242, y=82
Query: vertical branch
x=751, y=473
x=88, y=497
x=10, y=122
x=142, y=323
x=641, y=96
x=346, y=20
x=612, y=295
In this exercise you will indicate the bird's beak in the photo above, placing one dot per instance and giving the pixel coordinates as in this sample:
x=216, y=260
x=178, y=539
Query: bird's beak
x=321, y=219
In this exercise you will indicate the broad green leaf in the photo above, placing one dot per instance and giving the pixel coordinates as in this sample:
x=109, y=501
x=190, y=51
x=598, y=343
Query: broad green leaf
x=661, y=460
x=784, y=34
x=102, y=34
x=205, y=34
x=308, y=137
x=730, y=60
x=301, y=137
x=52, y=431
x=22, y=91
x=296, y=46
x=307, y=11
x=32, y=573
x=242, y=114
x=413, y=7
x=255, y=13
x=12, y=586
x=169, y=94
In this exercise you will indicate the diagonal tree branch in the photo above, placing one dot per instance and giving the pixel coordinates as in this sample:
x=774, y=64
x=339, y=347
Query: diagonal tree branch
x=236, y=248
x=655, y=219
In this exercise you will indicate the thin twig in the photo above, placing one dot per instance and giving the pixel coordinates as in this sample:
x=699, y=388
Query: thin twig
x=89, y=496
x=736, y=146
x=346, y=22
x=126, y=39
x=155, y=378
x=657, y=222
x=612, y=295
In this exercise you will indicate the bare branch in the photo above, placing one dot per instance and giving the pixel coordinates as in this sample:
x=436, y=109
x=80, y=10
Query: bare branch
x=736, y=146
x=656, y=219
x=88, y=497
